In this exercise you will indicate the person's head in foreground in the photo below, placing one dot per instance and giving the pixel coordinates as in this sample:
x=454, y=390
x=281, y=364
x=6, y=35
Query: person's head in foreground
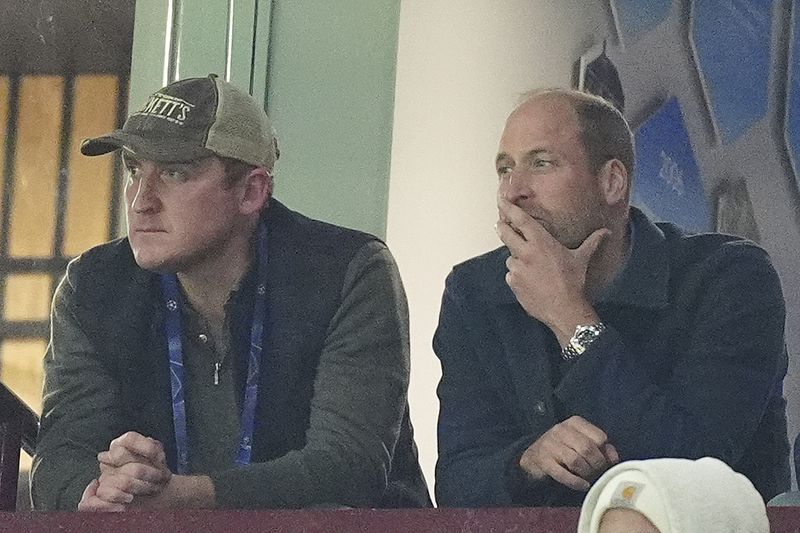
x=673, y=496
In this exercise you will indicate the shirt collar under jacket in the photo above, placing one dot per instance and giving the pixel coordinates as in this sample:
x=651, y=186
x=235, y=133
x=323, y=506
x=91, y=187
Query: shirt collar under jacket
x=644, y=279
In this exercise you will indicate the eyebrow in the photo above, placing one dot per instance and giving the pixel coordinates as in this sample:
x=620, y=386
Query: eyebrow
x=529, y=155
x=502, y=156
x=533, y=154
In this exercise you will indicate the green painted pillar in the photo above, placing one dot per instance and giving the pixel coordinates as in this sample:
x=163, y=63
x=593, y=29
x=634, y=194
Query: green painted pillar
x=330, y=94
x=176, y=39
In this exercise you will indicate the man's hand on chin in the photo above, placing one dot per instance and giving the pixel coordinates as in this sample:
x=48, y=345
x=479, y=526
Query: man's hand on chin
x=548, y=279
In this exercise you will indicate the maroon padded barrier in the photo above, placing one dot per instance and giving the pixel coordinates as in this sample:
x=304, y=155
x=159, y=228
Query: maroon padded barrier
x=555, y=520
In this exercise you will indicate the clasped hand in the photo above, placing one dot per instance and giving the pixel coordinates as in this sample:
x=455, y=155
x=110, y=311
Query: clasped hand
x=133, y=471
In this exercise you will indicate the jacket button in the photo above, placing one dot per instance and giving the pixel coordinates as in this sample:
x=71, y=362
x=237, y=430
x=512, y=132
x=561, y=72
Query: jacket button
x=540, y=407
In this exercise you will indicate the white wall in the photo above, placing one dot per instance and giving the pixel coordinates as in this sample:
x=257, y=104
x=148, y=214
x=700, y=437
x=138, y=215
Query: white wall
x=461, y=66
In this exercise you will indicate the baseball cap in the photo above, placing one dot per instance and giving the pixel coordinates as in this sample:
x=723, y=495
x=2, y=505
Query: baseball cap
x=194, y=118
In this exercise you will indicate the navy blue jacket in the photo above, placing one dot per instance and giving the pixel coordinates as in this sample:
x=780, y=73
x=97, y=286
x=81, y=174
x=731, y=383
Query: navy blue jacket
x=692, y=365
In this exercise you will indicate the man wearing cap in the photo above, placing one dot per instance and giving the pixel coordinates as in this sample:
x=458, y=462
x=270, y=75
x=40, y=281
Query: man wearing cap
x=595, y=335
x=229, y=352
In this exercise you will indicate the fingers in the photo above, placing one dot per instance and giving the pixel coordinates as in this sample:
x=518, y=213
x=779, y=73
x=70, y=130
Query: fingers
x=586, y=428
x=579, y=452
x=611, y=453
x=91, y=502
x=147, y=478
x=109, y=491
x=547, y=458
x=563, y=475
x=121, y=488
x=512, y=214
x=591, y=443
x=524, y=228
x=118, y=457
x=520, y=222
x=133, y=466
x=573, y=453
x=510, y=237
x=133, y=447
x=145, y=472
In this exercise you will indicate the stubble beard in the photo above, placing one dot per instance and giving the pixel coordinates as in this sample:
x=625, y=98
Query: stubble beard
x=572, y=230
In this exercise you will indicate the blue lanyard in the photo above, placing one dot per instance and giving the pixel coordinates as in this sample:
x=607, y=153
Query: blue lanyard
x=173, y=302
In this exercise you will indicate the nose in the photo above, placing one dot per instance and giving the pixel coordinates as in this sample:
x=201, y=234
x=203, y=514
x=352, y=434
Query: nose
x=515, y=187
x=142, y=193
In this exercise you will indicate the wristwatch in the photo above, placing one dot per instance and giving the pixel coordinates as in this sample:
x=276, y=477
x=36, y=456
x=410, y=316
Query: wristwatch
x=581, y=339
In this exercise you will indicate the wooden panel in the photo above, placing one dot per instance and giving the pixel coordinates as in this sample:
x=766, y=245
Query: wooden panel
x=21, y=369
x=27, y=297
x=36, y=167
x=89, y=189
x=5, y=98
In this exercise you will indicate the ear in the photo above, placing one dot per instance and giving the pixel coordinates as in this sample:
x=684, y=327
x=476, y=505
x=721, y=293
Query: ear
x=256, y=191
x=614, y=182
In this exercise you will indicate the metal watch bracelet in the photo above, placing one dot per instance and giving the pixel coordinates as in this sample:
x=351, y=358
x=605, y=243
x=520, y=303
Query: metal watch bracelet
x=581, y=339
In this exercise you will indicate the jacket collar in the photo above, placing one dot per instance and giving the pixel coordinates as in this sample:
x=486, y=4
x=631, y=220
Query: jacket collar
x=644, y=280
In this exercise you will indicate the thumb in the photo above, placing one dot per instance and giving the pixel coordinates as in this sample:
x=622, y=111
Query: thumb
x=589, y=246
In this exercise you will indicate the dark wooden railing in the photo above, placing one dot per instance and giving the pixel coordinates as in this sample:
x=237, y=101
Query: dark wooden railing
x=19, y=427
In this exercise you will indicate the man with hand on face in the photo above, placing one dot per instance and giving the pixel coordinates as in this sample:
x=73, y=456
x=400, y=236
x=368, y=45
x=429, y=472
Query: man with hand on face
x=229, y=352
x=594, y=335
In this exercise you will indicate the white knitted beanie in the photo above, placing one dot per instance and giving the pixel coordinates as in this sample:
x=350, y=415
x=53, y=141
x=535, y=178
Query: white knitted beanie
x=678, y=496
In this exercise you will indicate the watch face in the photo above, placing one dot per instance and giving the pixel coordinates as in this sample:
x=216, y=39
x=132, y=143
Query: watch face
x=583, y=337
x=586, y=335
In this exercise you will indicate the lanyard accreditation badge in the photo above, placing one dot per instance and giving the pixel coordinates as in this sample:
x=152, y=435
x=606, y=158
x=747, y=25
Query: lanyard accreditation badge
x=173, y=301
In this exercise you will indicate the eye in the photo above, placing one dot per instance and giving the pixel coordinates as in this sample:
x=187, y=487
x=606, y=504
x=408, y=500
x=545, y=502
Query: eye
x=542, y=163
x=175, y=173
x=131, y=170
x=503, y=171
